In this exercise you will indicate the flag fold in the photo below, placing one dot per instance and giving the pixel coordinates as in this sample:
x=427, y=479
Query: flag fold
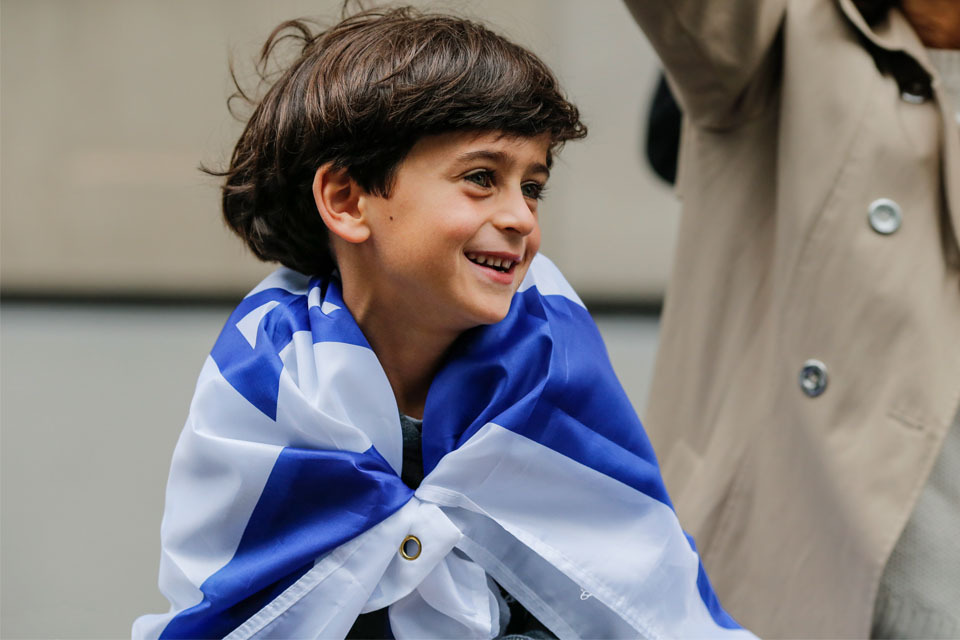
x=286, y=516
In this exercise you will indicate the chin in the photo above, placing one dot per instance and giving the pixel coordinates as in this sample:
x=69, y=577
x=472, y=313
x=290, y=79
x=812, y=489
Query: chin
x=492, y=314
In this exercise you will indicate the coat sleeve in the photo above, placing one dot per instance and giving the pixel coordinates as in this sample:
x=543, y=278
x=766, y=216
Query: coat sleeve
x=721, y=56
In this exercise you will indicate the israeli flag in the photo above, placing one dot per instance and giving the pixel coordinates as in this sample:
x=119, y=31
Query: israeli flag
x=286, y=517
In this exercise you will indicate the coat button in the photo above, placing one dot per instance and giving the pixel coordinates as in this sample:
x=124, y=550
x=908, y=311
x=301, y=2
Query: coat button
x=915, y=91
x=884, y=216
x=813, y=378
x=410, y=548
x=912, y=98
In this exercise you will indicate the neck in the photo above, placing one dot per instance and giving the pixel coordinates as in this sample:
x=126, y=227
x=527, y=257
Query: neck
x=409, y=350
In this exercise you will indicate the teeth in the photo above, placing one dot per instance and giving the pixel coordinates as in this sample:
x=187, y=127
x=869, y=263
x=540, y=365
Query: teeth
x=501, y=264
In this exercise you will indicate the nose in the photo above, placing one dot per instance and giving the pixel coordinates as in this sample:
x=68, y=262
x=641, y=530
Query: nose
x=516, y=215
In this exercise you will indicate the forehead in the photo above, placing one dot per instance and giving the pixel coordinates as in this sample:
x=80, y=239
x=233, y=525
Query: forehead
x=445, y=149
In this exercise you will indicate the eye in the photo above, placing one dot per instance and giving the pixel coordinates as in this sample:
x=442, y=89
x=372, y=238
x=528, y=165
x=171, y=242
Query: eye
x=480, y=177
x=533, y=190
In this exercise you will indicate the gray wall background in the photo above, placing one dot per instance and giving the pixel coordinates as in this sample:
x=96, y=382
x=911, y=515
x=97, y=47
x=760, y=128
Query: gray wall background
x=109, y=106
x=106, y=109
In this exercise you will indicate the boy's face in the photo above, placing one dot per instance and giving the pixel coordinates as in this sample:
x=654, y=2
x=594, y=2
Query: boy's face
x=457, y=234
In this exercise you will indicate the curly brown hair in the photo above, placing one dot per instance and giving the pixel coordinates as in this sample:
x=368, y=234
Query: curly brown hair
x=359, y=95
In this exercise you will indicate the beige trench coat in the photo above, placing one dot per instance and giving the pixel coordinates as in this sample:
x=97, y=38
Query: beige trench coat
x=791, y=133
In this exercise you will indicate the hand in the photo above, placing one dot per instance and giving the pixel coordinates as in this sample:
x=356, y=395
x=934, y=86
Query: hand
x=937, y=22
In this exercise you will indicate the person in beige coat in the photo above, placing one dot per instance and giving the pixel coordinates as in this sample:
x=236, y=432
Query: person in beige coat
x=809, y=366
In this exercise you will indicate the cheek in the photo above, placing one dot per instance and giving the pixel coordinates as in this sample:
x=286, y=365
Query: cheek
x=533, y=246
x=533, y=241
x=455, y=231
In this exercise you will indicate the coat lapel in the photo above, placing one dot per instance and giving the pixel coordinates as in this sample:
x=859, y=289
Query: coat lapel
x=895, y=37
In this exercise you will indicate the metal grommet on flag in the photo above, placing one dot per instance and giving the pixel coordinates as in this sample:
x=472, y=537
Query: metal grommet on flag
x=410, y=548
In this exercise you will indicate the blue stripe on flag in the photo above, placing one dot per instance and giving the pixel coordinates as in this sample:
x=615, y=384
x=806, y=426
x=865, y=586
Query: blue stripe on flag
x=339, y=325
x=542, y=372
x=254, y=370
x=299, y=517
x=708, y=595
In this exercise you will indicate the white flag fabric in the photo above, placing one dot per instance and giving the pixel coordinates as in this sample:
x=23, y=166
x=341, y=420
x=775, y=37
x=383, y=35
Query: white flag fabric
x=285, y=513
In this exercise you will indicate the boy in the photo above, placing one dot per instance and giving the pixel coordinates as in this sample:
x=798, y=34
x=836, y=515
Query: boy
x=399, y=162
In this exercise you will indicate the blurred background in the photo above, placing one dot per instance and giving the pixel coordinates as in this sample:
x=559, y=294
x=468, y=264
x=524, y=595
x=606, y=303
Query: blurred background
x=116, y=272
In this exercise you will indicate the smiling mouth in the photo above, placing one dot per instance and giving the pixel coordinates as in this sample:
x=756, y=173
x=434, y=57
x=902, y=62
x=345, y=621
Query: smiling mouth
x=497, y=263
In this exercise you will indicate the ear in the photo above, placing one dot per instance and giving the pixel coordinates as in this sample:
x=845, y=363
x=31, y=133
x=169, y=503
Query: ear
x=337, y=197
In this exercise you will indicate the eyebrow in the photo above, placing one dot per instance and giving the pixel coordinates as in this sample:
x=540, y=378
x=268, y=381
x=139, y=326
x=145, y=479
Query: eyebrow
x=499, y=157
